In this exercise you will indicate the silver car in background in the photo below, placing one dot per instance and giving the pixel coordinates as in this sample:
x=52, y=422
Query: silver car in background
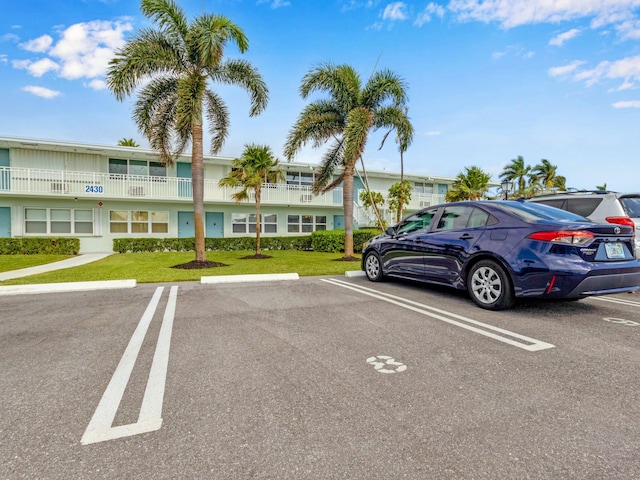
x=599, y=206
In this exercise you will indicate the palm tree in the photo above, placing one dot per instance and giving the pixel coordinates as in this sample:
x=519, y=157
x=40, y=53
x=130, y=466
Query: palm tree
x=127, y=142
x=472, y=184
x=546, y=172
x=346, y=117
x=254, y=168
x=172, y=65
x=516, y=172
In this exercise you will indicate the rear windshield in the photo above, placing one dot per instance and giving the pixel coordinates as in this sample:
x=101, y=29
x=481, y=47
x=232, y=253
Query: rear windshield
x=631, y=206
x=535, y=212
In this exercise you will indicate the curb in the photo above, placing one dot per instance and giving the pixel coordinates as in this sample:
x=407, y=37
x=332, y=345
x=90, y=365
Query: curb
x=249, y=278
x=66, y=287
x=354, y=273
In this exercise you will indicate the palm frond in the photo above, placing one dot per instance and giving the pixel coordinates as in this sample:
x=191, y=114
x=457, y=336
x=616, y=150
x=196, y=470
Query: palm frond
x=244, y=75
x=218, y=119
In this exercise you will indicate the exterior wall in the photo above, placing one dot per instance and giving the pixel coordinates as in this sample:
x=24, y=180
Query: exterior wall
x=51, y=187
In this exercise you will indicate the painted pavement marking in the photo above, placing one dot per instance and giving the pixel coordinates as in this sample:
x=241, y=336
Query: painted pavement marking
x=150, y=418
x=502, y=335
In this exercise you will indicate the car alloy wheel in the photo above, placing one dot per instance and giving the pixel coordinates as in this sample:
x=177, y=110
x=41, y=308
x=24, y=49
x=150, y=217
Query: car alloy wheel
x=489, y=286
x=372, y=267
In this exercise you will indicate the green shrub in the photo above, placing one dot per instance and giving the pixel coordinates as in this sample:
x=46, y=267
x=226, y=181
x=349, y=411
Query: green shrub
x=333, y=240
x=125, y=245
x=36, y=246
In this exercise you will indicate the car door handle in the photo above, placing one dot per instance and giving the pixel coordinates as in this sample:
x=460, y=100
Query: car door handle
x=466, y=236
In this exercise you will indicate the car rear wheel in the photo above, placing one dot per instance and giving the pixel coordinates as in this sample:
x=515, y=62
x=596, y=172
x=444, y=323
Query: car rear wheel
x=489, y=286
x=373, y=267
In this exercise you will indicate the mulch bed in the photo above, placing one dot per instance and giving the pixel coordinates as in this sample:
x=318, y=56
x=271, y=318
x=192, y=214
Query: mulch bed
x=347, y=259
x=195, y=264
x=255, y=257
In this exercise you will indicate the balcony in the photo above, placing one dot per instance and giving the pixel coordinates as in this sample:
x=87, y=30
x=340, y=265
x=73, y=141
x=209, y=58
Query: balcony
x=84, y=185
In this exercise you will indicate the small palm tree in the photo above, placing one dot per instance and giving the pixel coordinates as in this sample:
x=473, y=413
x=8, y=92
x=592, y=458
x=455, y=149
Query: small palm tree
x=254, y=168
x=173, y=65
x=127, y=142
x=516, y=172
x=472, y=184
x=346, y=117
x=546, y=172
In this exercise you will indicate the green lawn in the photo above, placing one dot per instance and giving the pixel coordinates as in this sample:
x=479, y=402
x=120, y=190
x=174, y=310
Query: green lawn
x=16, y=262
x=156, y=267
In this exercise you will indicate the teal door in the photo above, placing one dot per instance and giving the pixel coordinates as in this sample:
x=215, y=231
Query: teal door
x=184, y=180
x=5, y=222
x=4, y=172
x=185, y=225
x=338, y=222
x=214, y=224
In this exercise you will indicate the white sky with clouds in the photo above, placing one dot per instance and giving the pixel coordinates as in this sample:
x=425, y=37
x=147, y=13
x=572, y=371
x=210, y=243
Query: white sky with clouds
x=488, y=79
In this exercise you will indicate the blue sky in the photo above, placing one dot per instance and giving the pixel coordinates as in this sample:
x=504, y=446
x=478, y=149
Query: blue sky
x=488, y=79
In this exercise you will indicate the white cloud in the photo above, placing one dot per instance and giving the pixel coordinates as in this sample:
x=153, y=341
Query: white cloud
x=276, y=3
x=432, y=133
x=38, y=45
x=97, y=84
x=3, y=58
x=9, y=37
x=626, y=70
x=565, y=69
x=426, y=15
x=395, y=11
x=559, y=40
x=517, y=51
x=513, y=13
x=83, y=50
x=627, y=104
x=41, y=91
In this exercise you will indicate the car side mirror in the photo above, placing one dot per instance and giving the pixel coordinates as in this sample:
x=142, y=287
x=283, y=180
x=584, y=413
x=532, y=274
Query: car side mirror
x=390, y=231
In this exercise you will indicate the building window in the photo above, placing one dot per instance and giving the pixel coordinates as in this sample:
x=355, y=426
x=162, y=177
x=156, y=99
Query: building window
x=58, y=221
x=138, y=221
x=246, y=223
x=136, y=167
x=300, y=179
x=421, y=187
x=306, y=223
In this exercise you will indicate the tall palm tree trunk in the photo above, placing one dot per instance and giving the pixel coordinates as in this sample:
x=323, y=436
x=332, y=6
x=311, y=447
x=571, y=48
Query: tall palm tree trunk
x=347, y=202
x=258, y=221
x=197, y=174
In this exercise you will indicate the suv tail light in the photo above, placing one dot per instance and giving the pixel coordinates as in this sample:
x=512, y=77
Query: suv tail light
x=626, y=221
x=565, y=237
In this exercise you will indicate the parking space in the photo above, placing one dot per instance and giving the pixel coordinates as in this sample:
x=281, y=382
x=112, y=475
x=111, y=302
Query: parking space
x=316, y=378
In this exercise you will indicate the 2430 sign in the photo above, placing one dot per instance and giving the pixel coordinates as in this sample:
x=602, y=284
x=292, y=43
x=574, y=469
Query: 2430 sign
x=99, y=189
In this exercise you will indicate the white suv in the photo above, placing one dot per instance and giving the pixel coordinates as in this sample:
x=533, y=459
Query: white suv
x=600, y=206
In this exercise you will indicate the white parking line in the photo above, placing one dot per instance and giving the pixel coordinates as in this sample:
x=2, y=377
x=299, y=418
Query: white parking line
x=505, y=336
x=150, y=418
x=619, y=301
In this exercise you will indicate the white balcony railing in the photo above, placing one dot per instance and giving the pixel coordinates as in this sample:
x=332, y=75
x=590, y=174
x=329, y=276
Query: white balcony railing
x=34, y=182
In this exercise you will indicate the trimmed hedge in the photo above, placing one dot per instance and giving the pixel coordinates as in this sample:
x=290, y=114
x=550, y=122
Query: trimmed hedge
x=126, y=245
x=333, y=240
x=35, y=246
x=321, y=241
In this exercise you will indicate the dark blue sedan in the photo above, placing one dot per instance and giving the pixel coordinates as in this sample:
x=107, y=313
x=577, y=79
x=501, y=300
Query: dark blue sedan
x=501, y=250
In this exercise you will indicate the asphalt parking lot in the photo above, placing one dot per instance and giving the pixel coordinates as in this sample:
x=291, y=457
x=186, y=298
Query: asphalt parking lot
x=319, y=378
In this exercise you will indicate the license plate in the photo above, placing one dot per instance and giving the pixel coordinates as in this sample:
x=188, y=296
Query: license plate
x=614, y=250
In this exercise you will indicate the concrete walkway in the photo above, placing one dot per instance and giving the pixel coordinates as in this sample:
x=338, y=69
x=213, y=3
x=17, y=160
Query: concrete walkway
x=68, y=263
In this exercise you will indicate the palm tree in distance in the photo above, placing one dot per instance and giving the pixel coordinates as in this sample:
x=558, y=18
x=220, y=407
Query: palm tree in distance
x=546, y=172
x=254, y=168
x=517, y=172
x=472, y=184
x=173, y=66
x=127, y=142
x=346, y=118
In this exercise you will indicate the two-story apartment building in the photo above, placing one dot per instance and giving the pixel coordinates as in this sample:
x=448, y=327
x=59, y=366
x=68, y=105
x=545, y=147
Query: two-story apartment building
x=98, y=193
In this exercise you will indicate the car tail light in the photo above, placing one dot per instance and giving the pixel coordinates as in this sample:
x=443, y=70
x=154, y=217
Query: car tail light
x=564, y=237
x=626, y=221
